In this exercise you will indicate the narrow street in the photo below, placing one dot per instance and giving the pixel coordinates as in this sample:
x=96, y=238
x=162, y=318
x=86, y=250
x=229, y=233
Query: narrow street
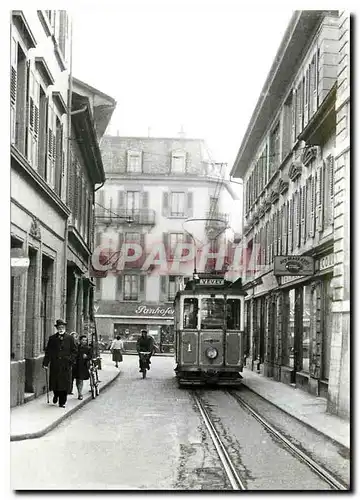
x=148, y=435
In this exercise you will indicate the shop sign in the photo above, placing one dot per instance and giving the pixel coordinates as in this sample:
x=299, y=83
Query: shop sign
x=293, y=265
x=154, y=311
x=325, y=262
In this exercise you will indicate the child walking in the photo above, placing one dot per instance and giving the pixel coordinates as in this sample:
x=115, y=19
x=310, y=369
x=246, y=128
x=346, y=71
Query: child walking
x=82, y=364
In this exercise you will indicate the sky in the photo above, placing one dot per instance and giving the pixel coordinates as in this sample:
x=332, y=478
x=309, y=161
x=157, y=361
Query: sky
x=171, y=66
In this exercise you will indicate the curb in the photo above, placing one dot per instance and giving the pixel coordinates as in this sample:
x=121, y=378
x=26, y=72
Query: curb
x=308, y=424
x=34, y=435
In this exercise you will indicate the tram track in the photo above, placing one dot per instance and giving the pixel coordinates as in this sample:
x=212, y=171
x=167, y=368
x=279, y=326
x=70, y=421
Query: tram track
x=237, y=483
x=320, y=471
x=227, y=463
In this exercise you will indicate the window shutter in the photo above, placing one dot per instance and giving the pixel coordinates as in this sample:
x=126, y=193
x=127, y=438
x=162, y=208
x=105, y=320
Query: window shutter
x=298, y=217
x=120, y=201
x=142, y=287
x=189, y=204
x=312, y=88
x=145, y=199
x=119, y=287
x=316, y=80
x=166, y=238
x=165, y=204
x=120, y=242
x=293, y=116
x=163, y=286
x=302, y=215
x=100, y=203
x=320, y=198
x=299, y=109
x=275, y=234
x=330, y=174
x=290, y=219
x=311, y=231
x=13, y=90
x=33, y=118
x=306, y=97
x=51, y=156
x=279, y=230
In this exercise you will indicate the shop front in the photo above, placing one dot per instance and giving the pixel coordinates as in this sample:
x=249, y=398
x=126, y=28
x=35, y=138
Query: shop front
x=128, y=319
x=289, y=324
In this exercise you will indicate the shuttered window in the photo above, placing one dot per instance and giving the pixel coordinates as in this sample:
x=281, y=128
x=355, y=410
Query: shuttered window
x=294, y=116
x=190, y=206
x=165, y=205
x=320, y=198
x=291, y=224
x=279, y=230
x=312, y=87
x=33, y=114
x=329, y=190
x=306, y=84
x=13, y=89
x=51, y=146
x=275, y=232
x=311, y=231
x=303, y=215
x=300, y=104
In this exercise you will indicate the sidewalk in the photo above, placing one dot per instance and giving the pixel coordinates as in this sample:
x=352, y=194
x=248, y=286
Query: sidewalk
x=37, y=417
x=307, y=408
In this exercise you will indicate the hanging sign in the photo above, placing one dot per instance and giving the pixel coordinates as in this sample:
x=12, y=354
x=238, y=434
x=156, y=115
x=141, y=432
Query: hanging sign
x=294, y=265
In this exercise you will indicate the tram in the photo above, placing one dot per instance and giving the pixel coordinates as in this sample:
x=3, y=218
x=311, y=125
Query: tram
x=209, y=331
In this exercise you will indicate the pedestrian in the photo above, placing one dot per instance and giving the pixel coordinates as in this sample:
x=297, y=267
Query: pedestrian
x=60, y=353
x=116, y=347
x=75, y=336
x=83, y=357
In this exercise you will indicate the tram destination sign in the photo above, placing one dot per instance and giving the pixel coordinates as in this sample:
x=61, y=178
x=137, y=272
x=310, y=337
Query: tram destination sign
x=294, y=265
x=211, y=281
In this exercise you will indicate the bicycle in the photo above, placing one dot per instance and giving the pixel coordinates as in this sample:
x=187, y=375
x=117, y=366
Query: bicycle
x=94, y=379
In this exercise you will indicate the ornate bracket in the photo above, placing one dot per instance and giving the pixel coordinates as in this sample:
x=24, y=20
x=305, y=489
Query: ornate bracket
x=295, y=170
x=267, y=204
x=35, y=229
x=309, y=154
x=275, y=194
x=283, y=186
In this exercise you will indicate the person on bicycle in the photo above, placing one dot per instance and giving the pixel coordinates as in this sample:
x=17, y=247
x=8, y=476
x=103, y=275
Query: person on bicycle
x=145, y=343
x=81, y=372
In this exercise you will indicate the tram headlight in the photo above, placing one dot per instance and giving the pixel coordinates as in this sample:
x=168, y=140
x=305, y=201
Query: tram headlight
x=211, y=352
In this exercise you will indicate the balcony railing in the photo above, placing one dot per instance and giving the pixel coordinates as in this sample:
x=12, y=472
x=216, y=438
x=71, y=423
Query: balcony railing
x=222, y=220
x=142, y=216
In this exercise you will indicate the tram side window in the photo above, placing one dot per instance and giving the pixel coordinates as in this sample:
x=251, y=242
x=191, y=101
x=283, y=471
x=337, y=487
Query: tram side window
x=233, y=314
x=212, y=313
x=191, y=309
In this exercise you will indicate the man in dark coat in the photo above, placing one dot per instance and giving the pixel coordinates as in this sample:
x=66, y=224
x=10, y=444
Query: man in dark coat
x=60, y=353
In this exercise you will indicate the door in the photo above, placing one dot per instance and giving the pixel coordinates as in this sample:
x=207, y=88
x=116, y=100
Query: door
x=132, y=201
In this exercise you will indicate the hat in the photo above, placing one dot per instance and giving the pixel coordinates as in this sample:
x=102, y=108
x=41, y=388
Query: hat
x=60, y=322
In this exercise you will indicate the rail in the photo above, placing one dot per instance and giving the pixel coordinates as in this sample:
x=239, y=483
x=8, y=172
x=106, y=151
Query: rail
x=315, y=467
x=235, y=480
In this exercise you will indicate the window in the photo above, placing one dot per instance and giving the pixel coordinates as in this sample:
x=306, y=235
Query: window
x=274, y=151
x=233, y=314
x=178, y=162
x=134, y=161
x=178, y=204
x=132, y=238
x=306, y=328
x=290, y=331
x=131, y=287
x=190, y=318
x=174, y=240
x=133, y=200
x=212, y=313
x=172, y=288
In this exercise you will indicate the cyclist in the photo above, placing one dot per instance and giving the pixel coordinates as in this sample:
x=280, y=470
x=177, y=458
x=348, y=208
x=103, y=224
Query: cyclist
x=145, y=343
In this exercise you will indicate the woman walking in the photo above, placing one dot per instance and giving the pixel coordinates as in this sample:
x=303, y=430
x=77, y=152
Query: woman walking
x=116, y=347
x=81, y=369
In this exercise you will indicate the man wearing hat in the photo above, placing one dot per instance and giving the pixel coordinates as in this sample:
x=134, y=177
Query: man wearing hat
x=60, y=353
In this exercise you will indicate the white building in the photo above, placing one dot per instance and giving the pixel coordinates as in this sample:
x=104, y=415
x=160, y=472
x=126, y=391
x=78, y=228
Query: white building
x=157, y=184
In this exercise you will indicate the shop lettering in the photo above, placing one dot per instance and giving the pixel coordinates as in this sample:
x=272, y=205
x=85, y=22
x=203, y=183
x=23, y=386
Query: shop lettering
x=326, y=262
x=158, y=311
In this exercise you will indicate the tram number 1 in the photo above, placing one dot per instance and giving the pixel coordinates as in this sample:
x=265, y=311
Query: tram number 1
x=189, y=347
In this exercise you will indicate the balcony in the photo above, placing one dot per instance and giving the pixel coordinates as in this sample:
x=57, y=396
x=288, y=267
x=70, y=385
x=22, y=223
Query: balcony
x=139, y=217
x=221, y=222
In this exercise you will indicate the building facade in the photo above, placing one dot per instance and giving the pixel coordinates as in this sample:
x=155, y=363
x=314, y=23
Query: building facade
x=47, y=143
x=295, y=177
x=154, y=188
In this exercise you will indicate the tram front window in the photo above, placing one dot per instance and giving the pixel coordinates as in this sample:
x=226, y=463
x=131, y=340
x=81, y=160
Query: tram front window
x=233, y=314
x=212, y=313
x=190, y=314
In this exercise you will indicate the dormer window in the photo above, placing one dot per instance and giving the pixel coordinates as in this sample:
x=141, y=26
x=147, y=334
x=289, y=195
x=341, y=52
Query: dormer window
x=134, y=161
x=178, y=159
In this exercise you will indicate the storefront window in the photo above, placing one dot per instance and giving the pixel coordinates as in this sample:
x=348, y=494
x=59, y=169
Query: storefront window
x=233, y=314
x=291, y=330
x=327, y=328
x=190, y=314
x=306, y=328
x=212, y=313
